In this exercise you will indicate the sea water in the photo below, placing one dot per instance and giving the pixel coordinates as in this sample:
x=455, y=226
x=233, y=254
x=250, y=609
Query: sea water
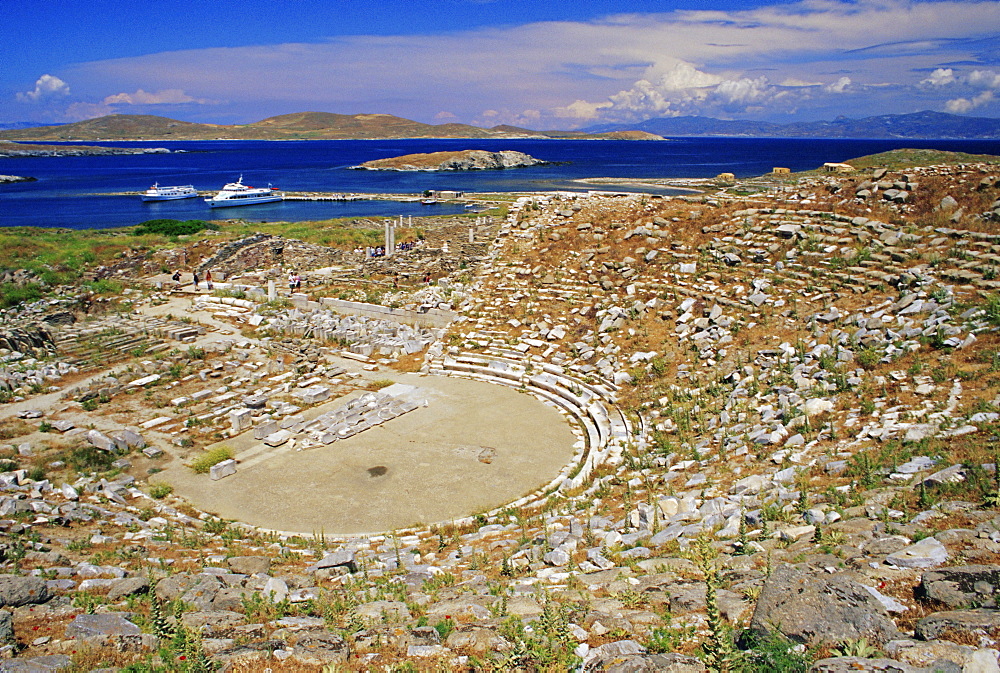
x=76, y=192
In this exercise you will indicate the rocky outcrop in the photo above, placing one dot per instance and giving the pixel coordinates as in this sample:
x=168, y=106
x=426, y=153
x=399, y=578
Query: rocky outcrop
x=465, y=160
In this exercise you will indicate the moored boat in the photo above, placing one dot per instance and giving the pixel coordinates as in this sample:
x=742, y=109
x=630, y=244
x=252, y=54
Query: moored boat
x=157, y=193
x=238, y=194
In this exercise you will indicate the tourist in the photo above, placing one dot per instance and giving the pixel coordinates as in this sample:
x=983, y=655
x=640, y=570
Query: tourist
x=177, y=277
x=291, y=281
x=208, y=280
x=196, y=279
x=298, y=282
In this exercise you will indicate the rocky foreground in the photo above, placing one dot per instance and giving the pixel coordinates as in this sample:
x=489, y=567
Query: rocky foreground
x=787, y=398
x=464, y=160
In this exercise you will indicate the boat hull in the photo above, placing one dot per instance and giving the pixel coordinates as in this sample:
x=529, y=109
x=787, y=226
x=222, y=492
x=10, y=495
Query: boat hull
x=229, y=203
x=169, y=198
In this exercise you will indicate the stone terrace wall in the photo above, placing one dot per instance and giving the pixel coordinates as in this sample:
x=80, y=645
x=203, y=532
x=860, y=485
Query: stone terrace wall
x=434, y=317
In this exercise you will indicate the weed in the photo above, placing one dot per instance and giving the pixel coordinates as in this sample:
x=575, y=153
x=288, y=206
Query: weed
x=203, y=463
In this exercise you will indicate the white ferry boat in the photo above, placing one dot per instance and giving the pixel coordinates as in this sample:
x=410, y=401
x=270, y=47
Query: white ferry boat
x=238, y=194
x=158, y=193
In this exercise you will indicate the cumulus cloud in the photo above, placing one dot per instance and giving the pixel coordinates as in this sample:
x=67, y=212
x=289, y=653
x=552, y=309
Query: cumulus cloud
x=940, y=77
x=986, y=79
x=445, y=115
x=840, y=86
x=980, y=88
x=963, y=105
x=47, y=86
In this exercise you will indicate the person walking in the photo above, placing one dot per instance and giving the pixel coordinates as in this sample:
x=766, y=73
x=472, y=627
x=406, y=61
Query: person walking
x=208, y=280
x=291, y=281
x=196, y=280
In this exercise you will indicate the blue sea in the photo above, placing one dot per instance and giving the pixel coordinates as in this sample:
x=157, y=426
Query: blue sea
x=73, y=192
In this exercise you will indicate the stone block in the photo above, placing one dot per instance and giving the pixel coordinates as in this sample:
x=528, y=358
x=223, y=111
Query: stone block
x=240, y=420
x=277, y=438
x=264, y=429
x=223, y=469
x=101, y=441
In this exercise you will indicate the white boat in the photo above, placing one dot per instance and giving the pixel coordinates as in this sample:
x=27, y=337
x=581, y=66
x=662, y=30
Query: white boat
x=238, y=194
x=158, y=193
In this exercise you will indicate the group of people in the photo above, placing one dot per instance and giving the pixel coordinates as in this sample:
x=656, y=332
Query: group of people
x=196, y=279
x=379, y=250
x=294, y=281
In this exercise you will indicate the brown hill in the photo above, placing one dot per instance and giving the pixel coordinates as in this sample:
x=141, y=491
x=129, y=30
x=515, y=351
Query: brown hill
x=298, y=125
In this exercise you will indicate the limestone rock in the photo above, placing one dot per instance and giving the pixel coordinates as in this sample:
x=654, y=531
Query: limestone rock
x=961, y=586
x=963, y=624
x=17, y=591
x=923, y=554
x=810, y=608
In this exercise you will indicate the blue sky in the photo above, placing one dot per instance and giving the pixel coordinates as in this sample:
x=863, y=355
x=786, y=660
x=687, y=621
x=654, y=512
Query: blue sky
x=554, y=64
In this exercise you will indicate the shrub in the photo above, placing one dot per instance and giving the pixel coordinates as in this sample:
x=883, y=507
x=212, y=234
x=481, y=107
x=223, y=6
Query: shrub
x=173, y=227
x=203, y=463
x=12, y=294
x=160, y=490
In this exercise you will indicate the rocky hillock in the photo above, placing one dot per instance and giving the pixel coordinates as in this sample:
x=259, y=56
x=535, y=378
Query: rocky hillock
x=464, y=160
x=785, y=398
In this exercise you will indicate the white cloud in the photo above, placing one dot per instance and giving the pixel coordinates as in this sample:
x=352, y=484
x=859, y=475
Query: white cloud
x=47, y=86
x=162, y=97
x=114, y=103
x=445, y=115
x=840, y=86
x=981, y=87
x=736, y=95
x=985, y=79
x=963, y=105
x=940, y=77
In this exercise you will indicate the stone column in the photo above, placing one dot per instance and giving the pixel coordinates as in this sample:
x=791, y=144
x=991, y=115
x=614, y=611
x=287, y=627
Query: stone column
x=272, y=292
x=472, y=234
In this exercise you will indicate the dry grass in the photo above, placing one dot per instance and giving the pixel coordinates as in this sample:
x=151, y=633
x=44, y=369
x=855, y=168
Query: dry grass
x=12, y=427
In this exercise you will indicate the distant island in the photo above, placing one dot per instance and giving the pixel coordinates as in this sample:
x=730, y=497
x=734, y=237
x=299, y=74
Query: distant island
x=296, y=126
x=330, y=126
x=4, y=179
x=462, y=160
x=8, y=149
x=926, y=124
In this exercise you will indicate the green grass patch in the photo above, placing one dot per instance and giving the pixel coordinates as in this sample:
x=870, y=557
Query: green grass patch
x=173, y=227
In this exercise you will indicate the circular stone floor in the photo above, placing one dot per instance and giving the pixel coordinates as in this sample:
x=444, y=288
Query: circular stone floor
x=427, y=466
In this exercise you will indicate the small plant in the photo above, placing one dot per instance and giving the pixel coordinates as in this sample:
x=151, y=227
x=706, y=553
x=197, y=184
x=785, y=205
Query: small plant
x=203, y=463
x=160, y=490
x=856, y=648
x=445, y=627
x=718, y=651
